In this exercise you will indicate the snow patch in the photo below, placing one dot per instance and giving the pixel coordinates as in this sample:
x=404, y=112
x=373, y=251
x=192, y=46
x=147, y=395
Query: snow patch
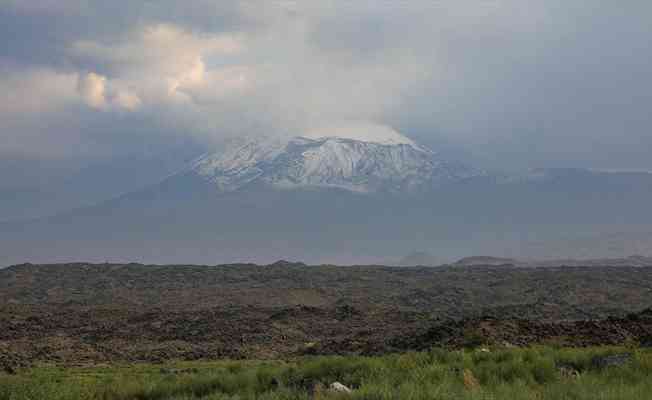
x=361, y=131
x=388, y=163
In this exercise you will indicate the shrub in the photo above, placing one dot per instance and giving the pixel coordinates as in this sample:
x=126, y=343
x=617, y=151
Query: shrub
x=515, y=374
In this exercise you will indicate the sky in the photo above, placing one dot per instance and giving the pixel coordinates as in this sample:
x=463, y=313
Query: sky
x=511, y=84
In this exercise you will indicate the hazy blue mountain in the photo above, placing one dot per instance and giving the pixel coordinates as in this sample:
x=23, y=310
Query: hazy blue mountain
x=343, y=200
x=32, y=189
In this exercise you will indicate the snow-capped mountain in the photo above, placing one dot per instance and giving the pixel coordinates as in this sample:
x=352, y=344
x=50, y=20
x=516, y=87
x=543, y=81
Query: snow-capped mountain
x=187, y=217
x=386, y=164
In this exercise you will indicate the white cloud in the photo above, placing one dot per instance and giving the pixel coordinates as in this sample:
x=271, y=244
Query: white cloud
x=127, y=100
x=498, y=75
x=163, y=63
x=101, y=94
x=92, y=88
x=36, y=91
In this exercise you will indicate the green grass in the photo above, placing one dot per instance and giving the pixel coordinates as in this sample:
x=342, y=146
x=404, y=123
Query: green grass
x=514, y=374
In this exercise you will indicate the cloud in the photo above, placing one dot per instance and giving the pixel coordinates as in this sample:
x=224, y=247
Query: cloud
x=169, y=48
x=127, y=100
x=96, y=93
x=46, y=6
x=158, y=63
x=533, y=82
x=359, y=130
x=39, y=91
x=92, y=88
x=32, y=102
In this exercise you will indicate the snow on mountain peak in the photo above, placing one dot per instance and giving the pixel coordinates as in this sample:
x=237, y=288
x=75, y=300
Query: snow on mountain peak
x=360, y=162
x=360, y=131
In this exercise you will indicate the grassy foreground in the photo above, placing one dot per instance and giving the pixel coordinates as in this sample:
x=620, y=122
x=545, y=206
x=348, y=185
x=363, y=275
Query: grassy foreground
x=514, y=374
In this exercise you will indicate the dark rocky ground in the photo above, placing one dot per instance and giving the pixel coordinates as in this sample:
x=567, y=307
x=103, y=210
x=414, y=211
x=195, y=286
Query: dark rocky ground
x=82, y=313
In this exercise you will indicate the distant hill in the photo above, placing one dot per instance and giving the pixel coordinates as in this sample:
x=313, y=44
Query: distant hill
x=419, y=258
x=631, y=261
x=485, y=260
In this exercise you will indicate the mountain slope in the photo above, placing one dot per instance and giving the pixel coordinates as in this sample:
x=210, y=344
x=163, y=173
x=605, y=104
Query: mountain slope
x=343, y=200
x=355, y=165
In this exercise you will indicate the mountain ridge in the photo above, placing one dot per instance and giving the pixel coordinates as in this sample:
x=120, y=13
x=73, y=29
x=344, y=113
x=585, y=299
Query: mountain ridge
x=332, y=217
x=357, y=165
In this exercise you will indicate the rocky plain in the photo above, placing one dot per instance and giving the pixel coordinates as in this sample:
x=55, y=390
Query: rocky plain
x=89, y=314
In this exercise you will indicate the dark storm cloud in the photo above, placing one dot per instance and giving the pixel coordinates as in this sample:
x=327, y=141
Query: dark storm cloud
x=39, y=32
x=514, y=83
x=568, y=86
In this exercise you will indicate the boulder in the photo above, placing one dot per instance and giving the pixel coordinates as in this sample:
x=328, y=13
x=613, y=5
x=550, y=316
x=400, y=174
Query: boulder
x=569, y=372
x=613, y=360
x=339, y=388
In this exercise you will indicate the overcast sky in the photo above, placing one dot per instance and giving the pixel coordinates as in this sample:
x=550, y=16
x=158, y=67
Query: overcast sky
x=514, y=83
